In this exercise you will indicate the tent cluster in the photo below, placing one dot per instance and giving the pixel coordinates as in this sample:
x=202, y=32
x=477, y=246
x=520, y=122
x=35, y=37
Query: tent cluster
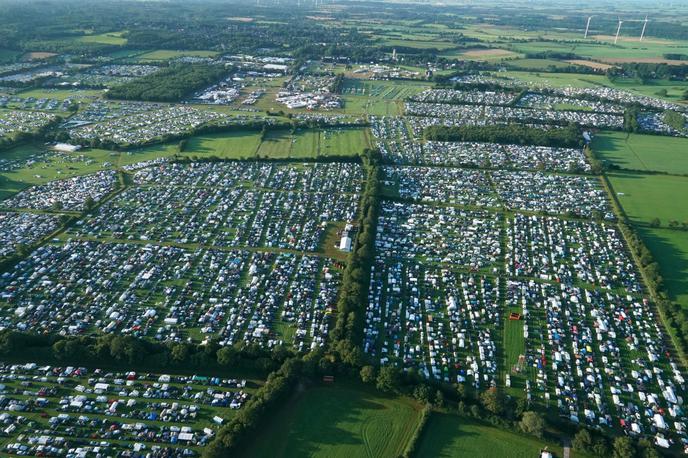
x=23, y=229
x=505, y=156
x=231, y=204
x=164, y=292
x=70, y=194
x=106, y=110
x=447, y=235
x=498, y=114
x=397, y=145
x=49, y=409
x=456, y=314
x=566, y=251
x=452, y=96
x=143, y=127
x=600, y=357
x=15, y=121
x=282, y=287
x=435, y=184
x=552, y=102
x=554, y=194
x=33, y=103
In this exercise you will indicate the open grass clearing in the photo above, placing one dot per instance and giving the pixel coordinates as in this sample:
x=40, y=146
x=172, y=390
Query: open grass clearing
x=343, y=141
x=670, y=250
x=230, y=145
x=643, y=152
x=276, y=144
x=110, y=38
x=645, y=197
x=448, y=436
x=337, y=422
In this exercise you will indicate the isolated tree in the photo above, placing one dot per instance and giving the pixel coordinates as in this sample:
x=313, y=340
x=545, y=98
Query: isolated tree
x=367, y=374
x=492, y=400
x=623, y=448
x=532, y=423
x=422, y=393
x=582, y=441
x=388, y=379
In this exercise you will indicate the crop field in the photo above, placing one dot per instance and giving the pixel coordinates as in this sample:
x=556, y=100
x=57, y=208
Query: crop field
x=643, y=152
x=338, y=422
x=453, y=436
x=55, y=407
x=645, y=197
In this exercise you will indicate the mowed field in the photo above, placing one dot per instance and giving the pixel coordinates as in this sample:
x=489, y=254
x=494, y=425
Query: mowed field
x=645, y=197
x=670, y=250
x=231, y=145
x=452, y=436
x=643, y=152
x=337, y=422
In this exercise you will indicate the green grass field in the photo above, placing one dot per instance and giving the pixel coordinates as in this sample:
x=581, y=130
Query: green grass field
x=337, y=422
x=111, y=38
x=643, y=152
x=343, y=141
x=670, y=250
x=306, y=143
x=449, y=436
x=276, y=144
x=232, y=145
x=645, y=197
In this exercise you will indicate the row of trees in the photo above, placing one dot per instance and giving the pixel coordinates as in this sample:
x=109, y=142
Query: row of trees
x=170, y=84
x=568, y=136
x=133, y=352
x=354, y=289
x=621, y=447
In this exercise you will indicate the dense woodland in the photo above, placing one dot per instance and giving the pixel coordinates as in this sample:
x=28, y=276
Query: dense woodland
x=170, y=84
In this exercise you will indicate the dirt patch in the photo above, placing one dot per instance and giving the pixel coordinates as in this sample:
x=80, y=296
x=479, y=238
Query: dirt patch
x=38, y=55
x=589, y=63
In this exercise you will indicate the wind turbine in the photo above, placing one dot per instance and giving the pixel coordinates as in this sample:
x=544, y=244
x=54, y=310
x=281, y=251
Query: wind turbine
x=587, y=27
x=642, y=34
x=618, y=30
